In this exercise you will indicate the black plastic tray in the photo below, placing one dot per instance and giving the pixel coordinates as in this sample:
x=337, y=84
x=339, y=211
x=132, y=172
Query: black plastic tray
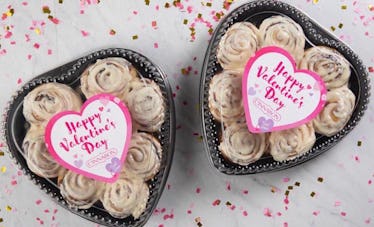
x=15, y=127
x=255, y=12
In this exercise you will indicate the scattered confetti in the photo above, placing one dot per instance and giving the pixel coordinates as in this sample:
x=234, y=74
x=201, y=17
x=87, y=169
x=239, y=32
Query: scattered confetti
x=216, y=202
x=267, y=212
x=320, y=179
x=359, y=143
x=112, y=32
x=198, y=222
x=134, y=37
x=344, y=7
x=3, y=169
x=312, y=194
x=8, y=208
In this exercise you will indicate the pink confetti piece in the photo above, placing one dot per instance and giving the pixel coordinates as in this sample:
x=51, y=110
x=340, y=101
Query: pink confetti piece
x=267, y=212
x=38, y=202
x=245, y=192
x=286, y=201
x=13, y=182
x=285, y=224
x=189, y=211
x=337, y=203
x=25, y=3
x=286, y=179
x=228, y=186
x=343, y=213
x=19, y=81
x=49, y=52
x=155, y=45
x=54, y=20
x=8, y=34
x=29, y=56
x=316, y=213
x=36, y=45
x=198, y=190
x=369, y=181
x=216, y=202
x=279, y=213
x=245, y=213
x=85, y=33
x=367, y=221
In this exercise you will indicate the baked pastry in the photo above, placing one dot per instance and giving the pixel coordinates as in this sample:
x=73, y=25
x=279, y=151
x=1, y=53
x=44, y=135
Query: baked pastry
x=240, y=146
x=237, y=45
x=146, y=105
x=80, y=191
x=46, y=100
x=127, y=196
x=108, y=75
x=225, y=96
x=285, y=33
x=144, y=156
x=338, y=109
x=329, y=64
x=290, y=143
x=38, y=159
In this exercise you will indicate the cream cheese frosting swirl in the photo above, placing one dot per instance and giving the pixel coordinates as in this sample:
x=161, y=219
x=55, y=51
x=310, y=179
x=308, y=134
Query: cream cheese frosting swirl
x=46, y=100
x=109, y=75
x=290, y=143
x=327, y=63
x=237, y=45
x=285, y=33
x=144, y=156
x=338, y=109
x=241, y=146
x=80, y=191
x=146, y=104
x=127, y=196
x=225, y=96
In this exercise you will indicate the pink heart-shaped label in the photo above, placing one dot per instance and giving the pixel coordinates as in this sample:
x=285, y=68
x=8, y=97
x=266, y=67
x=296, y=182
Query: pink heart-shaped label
x=284, y=99
x=99, y=137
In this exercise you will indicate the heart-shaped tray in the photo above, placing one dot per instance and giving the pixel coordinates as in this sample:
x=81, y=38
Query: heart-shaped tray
x=15, y=127
x=255, y=12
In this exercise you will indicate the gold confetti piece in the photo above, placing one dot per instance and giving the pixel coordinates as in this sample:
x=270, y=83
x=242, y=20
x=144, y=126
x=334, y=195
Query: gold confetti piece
x=1, y=220
x=112, y=32
x=147, y=2
x=198, y=221
x=340, y=25
x=3, y=169
x=371, y=7
x=10, y=12
x=209, y=4
x=185, y=21
x=200, y=138
x=320, y=179
x=287, y=193
x=60, y=1
x=167, y=5
x=332, y=28
x=312, y=194
x=290, y=187
x=359, y=143
x=1, y=152
x=315, y=1
x=210, y=30
x=228, y=203
x=37, y=31
x=297, y=183
x=46, y=10
x=273, y=189
x=344, y=7
x=199, y=15
x=135, y=37
x=8, y=208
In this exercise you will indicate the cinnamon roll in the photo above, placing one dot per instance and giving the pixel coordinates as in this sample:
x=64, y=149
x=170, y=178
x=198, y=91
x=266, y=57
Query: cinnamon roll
x=127, y=196
x=146, y=105
x=109, y=75
x=240, y=146
x=144, y=156
x=38, y=159
x=80, y=191
x=290, y=143
x=240, y=42
x=329, y=64
x=285, y=33
x=46, y=100
x=225, y=96
x=338, y=109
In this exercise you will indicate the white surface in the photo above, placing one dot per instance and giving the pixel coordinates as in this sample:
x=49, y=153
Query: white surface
x=347, y=169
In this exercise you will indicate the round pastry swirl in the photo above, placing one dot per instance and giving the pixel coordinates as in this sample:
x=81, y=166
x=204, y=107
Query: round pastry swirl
x=338, y=109
x=48, y=99
x=38, y=159
x=109, y=75
x=239, y=43
x=80, y=191
x=329, y=64
x=225, y=96
x=127, y=196
x=144, y=156
x=290, y=143
x=285, y=33
x=146, y=104
x=240, y=146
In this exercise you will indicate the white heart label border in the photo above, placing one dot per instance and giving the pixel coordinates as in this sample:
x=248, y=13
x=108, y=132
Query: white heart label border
x=268, y=105
x=93, y=142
